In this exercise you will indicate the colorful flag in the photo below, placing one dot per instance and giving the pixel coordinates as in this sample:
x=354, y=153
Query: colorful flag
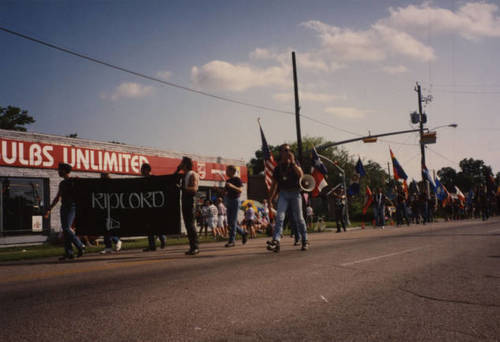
x=460, y=195
x=360, y=169
x=441, y=192
x=369, y=199
x=397, y=169
x=319, y=172
x=269, y=163
x=428, y=177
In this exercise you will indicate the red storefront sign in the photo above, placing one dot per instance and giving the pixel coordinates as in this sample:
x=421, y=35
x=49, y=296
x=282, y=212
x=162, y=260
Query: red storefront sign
x=48, y=156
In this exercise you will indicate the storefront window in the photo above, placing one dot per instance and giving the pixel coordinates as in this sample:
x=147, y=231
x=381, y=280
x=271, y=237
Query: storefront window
x=23, y=203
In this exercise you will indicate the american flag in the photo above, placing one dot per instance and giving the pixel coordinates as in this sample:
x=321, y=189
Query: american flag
x=269, y=163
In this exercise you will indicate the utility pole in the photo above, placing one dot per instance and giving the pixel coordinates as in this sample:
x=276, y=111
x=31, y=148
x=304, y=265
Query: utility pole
x=422, y=145
x=297, y=110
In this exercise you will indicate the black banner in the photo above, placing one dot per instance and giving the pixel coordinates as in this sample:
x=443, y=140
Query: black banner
x=127, y=206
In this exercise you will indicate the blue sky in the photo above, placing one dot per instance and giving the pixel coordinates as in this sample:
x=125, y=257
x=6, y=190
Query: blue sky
x=358, y=62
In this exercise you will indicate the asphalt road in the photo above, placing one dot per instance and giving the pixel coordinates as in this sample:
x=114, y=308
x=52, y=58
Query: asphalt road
x=439, y=282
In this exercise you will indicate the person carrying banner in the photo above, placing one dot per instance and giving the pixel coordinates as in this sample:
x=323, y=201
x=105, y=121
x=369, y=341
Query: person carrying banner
x=109, y=237
x=67, y=212
x=234, y=187
x=146, y=172
x=189, y=189
x=286, y=179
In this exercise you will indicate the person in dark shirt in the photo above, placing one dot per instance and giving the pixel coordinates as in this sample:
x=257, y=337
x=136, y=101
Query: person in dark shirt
x=189, y=189
x=67, y=212
x=234, y=187
x=286, y=179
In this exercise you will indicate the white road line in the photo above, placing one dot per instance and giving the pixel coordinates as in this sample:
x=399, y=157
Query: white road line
x=494, y=231
x=382, y=256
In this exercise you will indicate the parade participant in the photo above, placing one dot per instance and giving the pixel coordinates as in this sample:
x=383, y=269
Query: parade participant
x=401, y=209
x=234, y=187
x=189, y=189
x=379, y=200
x=340, y=208
x=146, y=172
x=67, y=212
x=286, y=179
x=109, y=238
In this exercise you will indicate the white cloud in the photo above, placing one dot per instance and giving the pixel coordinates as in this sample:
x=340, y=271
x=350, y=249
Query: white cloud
x=373, y=45
x=347, y=112
x=472, y=20
x=306, y=96
x=224, y=75
x=393, y=70
x=129, y=90
x=164, y=75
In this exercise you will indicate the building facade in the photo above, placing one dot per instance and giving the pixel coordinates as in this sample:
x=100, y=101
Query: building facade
x=29, y=177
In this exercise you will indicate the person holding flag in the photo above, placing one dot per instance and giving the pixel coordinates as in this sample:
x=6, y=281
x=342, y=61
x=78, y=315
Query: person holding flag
x=401, y=193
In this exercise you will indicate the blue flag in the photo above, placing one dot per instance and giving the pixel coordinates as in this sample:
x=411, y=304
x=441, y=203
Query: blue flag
x=428, y=177
x=440, y=190
x=360, y=169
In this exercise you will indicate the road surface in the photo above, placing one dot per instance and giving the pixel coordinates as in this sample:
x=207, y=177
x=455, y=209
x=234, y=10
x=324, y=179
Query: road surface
x=438, y=282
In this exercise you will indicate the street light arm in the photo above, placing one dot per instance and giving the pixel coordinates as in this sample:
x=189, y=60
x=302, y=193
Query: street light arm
x=330, y=144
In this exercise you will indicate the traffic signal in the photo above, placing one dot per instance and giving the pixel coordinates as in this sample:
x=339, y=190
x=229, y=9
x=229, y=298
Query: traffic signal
x=369, y=139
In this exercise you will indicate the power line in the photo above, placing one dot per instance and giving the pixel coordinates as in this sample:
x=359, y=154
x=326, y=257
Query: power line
x=442, y=156
x=171, y=84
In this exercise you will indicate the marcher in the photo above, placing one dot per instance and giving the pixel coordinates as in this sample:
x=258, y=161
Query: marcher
x=67, y=212
x=340, y=199
x=286, y=178
x=146, y=172
x=109, y=237
x=234, y=187
x=189, y=189
x=379, y=200
x=401, y=209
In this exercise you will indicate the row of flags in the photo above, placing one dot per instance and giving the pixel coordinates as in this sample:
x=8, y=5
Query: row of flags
x=320, y=172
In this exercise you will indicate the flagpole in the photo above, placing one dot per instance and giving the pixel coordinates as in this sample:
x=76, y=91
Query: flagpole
x=345, y=188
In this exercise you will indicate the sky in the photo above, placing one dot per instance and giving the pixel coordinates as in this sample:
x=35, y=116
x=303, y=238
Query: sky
x=357, y=65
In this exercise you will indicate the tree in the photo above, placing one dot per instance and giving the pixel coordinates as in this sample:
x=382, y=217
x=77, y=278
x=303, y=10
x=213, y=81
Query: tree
x=13, y=118
x=447, y=176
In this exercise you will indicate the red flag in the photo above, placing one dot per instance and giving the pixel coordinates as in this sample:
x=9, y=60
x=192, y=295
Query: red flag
x=369, y=199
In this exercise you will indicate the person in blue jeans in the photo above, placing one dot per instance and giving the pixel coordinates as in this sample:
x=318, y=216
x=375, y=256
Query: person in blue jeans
x=68, y=212
x=379, y=200
x=234, y=187
x=286, y=178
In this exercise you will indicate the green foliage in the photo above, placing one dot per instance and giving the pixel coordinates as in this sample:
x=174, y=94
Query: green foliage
x=473, y=172
x=13, y=118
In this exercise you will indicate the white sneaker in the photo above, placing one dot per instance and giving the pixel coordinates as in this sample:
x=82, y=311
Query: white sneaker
x=118, y=245
x=383, y=227
x=107, y=251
